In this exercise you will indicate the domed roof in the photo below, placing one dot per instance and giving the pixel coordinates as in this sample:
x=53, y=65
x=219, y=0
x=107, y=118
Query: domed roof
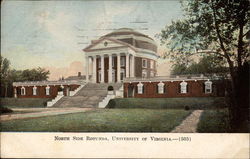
x=139, y=40
x=125, y=31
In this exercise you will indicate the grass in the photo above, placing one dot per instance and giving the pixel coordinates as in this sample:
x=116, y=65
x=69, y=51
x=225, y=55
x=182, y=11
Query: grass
x=24, y=102
x=168, y=103
x=104, y=120
x=214, y=121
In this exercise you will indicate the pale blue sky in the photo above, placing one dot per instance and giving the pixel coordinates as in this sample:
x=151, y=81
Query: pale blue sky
x=48, y=33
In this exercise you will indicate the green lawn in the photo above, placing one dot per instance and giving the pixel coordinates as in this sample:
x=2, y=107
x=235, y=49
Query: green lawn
x=103, y=120
x=214, y=121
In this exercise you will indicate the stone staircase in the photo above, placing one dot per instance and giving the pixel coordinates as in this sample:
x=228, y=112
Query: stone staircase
x=88, y=96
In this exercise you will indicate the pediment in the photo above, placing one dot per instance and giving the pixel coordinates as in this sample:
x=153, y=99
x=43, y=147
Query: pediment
x=104, y=44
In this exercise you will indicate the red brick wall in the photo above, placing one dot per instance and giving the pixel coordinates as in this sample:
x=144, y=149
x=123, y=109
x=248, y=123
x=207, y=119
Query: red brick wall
x=41, y=93
x=172, y=89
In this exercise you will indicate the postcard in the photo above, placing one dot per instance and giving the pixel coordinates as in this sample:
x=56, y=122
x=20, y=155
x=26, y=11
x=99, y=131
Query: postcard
x=125, y=79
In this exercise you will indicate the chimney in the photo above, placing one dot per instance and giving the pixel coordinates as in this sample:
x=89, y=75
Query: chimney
x=79, y=74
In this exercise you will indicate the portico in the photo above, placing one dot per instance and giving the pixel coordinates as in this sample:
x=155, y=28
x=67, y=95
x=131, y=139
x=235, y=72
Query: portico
x=109, y=67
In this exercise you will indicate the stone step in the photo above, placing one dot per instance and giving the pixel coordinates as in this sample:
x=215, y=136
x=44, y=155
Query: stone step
x=88, y=96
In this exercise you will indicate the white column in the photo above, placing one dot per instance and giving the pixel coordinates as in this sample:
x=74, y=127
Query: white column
x=118, y=68
x=110, y=69
x=102, y=68
x=15, y=92
x=127, y=65
x=94, y=70
x=132, y=66
x=87, y=68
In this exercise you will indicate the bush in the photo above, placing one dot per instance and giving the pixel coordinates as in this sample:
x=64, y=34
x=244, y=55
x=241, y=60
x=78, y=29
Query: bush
x=4, y=110
x=59, y=89
x=24, y=102
x=110, y=88
x=187, y=107
x=169, y=103
x=111, y=104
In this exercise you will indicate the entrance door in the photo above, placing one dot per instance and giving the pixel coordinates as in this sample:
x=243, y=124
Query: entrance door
x=130, y=90
x=99, y=76
x=67, y=91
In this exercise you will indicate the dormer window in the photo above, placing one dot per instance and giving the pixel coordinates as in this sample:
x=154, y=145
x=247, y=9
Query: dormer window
x=140, y=88
x=208, y=86
x=144, y=63
x=183, y=85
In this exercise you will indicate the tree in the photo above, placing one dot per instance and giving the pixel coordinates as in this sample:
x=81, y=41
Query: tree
x=4, y=74
x=207, y=65
x=8, y=76
x=219, y=26
x=38, y=74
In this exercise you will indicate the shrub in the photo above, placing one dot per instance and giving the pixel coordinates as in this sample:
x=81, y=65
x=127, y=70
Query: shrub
x=60, y=89
x=169, y=103
x=111, y=104
x=187, y=107
x=4, y=110
x=110, y=88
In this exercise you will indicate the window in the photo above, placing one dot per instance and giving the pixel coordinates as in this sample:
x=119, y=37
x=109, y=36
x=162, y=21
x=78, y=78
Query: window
x=151, y=64
x=152, y=74
x=122, y=60
x=23, y=92
x=161, y=88
x=183, y=87
x=113, y=62
x=144, y=63
x=140, y=88
x=34, y=90
x=47, y=90
x=208, y=86
x=122, y=74
x=99, y=76
x=99, y=62
x=144, y=73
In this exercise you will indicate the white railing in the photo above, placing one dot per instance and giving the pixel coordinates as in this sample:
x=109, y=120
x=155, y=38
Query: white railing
x=38, y=83
x=106, y=100
x=58, y=97
x=119, y=92
x=72, y=93
x=171, y=78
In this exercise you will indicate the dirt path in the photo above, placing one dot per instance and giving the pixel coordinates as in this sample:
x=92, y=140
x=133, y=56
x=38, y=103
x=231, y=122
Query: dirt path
x=189, y=125
x=41, y=112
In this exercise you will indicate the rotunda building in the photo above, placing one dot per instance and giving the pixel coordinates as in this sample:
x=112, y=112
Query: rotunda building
x=124, y=53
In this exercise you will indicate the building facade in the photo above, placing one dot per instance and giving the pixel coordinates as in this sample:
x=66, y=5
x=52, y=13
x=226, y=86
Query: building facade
x=169, y=87
x=121, y=54
x=124, y=57
x=44, y=89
